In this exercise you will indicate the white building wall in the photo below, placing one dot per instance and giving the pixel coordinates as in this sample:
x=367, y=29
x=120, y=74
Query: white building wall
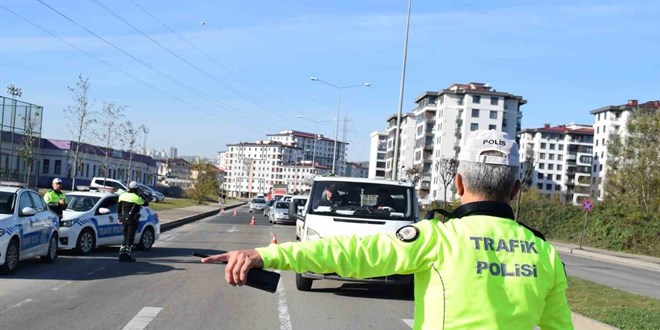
x=377, y=155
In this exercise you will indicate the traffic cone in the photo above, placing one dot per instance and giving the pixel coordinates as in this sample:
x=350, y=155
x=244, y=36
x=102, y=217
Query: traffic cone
x=274, y=240
x=252, y=221
x=235, y=213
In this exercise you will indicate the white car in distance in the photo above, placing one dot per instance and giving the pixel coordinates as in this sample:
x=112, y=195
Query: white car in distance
x=91, y=220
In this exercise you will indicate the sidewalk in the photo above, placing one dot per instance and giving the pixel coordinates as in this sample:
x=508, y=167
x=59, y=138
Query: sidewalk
x=176, y=217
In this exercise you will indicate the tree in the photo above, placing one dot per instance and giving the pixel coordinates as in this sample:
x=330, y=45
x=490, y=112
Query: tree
x=105, y=133
x=129, y=139
x=204, y=183
x=80, y=117
x=528, y=170
x=634, y=161
x=446, y=169
x=414, y=174
x=32, y=124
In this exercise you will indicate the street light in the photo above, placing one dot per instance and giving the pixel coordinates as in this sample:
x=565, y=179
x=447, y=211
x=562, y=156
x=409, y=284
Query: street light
x=339, y=89
x=317, y=136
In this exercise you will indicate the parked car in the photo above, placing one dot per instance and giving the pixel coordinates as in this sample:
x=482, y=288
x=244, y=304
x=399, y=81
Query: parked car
x=269, y=206
x=28, y=228
x=297, y=206
x=91, y=220
x=257, y=204
x=280, y=213
x=116, y=186
x=156, y=196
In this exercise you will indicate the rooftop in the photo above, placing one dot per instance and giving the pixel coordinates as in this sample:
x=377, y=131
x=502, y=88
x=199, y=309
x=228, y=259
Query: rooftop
x=631, y=104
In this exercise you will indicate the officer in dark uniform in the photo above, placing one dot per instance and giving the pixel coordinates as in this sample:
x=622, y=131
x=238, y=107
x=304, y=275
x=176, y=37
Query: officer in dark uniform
x=56, y=199
x=129, y=206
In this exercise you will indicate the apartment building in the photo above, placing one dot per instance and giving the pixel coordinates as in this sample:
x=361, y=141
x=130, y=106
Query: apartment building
x=377, y=155
x=561, y=158
x=406, y=145
x=316, y=148
x=357, y=169
x=610, y=120
x=443, y=121
x=299, y=176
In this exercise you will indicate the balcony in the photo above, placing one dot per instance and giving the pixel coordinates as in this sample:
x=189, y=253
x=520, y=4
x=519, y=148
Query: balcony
x=428, y=146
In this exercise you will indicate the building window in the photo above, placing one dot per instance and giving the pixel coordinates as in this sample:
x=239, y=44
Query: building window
x=494, y=100
x=542, y=145
x=539, y=185
x=493, y=114
x=548, y=176
x=552, y=146
x=492, y=127
x=542, y=156
x=560, y=147
x=474, y=127
x=475, y=113
x=558, y=176
x=551, y=156
x=551, y=166
x=539, y=176
x=548, y=186
x=58, y=167
x=46, y=166
x=542, y=166
x=560, y=157
x=557, y=187
x=476, y=99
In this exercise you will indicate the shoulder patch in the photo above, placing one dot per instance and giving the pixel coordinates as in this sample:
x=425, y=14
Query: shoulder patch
x=407, y=233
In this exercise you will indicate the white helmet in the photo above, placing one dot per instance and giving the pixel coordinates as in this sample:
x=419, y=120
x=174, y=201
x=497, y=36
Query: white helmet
x=133, y=185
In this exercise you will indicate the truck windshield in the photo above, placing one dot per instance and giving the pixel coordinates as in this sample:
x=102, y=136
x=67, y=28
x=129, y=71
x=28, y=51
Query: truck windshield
x=361, y=200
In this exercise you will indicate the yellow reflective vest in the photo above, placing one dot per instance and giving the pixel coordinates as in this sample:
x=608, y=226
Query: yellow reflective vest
x=482, y=270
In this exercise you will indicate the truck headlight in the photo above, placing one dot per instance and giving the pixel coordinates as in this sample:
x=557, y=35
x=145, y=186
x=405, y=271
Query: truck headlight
x=68, y=223
x=312, y=235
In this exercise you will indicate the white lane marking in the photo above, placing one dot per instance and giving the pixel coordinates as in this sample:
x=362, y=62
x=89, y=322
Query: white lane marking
x=232, y=229
x=408, y=322
x=96, y=271
x=61, y=285
x=143, y=318
x=285, y=320
x=20, y=303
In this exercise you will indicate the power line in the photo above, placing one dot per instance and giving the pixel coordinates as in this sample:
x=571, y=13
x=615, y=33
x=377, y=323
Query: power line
x=164, y=75
x=114, y=67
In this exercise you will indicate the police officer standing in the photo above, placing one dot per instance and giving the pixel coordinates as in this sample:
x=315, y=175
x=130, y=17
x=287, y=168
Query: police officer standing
x=55, y=198
x=479, y=270
x=130, y=203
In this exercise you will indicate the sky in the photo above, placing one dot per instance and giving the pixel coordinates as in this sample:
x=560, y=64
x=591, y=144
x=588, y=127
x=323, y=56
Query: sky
x=203, y=74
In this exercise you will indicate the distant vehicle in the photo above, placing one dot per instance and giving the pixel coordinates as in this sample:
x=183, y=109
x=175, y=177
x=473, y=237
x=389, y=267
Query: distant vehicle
x=279, y=190
x=269, y=206
x=116, y=186
x=261, y=195
x=280, y=213
x=296, y=206
x=354, y=212
x=257, y=204
x=286, y=198
x=156, y=196
x=91, y=220
x=28, y=228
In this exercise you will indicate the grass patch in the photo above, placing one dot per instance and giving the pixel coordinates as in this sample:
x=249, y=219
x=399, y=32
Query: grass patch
x=614, y=307
x=172, y=203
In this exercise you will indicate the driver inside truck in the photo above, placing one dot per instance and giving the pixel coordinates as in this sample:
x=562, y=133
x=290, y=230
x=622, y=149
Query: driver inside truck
x=384, y=199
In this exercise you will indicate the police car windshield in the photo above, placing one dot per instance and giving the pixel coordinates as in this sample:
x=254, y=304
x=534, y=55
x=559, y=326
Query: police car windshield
x=361, y=200
x=7, y=202
x=82, y=203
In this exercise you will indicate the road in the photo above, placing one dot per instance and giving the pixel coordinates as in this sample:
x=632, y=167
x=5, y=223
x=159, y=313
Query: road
x=169, y=289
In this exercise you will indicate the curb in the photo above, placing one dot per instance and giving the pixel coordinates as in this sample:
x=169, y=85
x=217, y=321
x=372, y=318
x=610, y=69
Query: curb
x=620, y=260
x=185, y=220
x=582, y=322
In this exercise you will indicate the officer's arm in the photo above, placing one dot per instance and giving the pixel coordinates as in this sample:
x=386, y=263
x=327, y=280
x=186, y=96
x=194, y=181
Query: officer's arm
x=350, y=256
x=557, y=314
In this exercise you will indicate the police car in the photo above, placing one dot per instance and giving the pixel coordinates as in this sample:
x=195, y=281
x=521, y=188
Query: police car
x=91, y=220
x=28, y=228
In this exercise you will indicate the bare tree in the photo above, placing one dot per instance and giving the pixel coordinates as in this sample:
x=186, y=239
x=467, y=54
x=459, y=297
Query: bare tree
x=80, y=117
x=527, y=171
x=26, y=151
x=414, y=174
x=129, y=139
x=105, y=133
x=446, y=169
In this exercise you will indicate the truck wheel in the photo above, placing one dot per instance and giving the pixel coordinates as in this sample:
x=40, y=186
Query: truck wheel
x=303, y=283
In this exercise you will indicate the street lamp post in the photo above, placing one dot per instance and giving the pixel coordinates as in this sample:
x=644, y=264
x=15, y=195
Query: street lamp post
x=339, y=89
x=317, y=136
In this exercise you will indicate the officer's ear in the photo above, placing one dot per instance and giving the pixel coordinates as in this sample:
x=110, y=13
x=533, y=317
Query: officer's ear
x=515, y=190
x=460, y=188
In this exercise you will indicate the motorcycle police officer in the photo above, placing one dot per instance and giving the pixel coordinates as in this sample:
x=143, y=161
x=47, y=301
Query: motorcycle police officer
x=55, y=198
x=129, y=206
x=479, y=270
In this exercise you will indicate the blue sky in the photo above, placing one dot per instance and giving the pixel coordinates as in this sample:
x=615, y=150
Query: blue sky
x=565, y=57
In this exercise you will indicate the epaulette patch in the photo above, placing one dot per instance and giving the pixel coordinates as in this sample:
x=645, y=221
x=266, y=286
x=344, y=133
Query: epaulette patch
x=407, y=233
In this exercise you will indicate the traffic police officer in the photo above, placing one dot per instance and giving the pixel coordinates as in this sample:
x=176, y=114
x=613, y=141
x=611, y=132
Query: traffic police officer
x=479, y=270
x=129, y=215
x=55, y=198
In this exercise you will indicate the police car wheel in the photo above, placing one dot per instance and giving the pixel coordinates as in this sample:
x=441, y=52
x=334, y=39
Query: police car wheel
x=86, y=242
x=11, y=258
x=51, y=255
x=303, y=283
x=147, y=239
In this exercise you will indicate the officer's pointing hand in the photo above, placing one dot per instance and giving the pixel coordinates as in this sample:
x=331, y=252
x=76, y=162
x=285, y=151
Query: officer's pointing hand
x=238, y=264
